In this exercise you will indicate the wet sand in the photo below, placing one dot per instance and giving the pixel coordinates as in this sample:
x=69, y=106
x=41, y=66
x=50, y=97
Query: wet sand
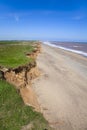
x=62, y=88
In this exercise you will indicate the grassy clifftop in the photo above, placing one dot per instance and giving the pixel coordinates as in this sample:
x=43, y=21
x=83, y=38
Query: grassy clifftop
x=14, y=55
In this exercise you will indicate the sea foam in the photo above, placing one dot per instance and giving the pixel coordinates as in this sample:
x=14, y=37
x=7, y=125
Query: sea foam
x=67, y=49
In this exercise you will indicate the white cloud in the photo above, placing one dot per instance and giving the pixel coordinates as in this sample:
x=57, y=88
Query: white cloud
x=16, y=18
x=77, y=18
x=9, y=16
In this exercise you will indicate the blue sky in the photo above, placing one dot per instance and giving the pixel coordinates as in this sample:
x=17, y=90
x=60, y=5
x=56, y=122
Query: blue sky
x=64, y=20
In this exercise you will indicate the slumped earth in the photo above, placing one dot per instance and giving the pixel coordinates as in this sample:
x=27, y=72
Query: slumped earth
x=18, y=67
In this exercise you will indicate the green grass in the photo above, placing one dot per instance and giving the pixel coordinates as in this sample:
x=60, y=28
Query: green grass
x=15, y=42
x=8, y=42
x=14, y=114
x=14, y=55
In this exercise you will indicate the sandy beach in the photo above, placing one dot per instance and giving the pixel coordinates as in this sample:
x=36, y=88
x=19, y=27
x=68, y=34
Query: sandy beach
x=62, y=88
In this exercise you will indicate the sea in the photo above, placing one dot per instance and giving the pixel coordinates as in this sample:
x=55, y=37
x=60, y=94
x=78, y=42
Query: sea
x=75, y=47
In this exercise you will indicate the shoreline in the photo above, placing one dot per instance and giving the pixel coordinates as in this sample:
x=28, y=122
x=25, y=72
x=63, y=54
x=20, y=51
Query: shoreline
x=61, y=88
x=67, y=49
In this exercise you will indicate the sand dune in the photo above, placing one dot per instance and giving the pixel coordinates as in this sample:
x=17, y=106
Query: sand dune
x=62, y=88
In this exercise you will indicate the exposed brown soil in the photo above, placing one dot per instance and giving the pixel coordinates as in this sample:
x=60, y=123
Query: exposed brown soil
x=29, y=97
x=35, y=52
x=22, y=76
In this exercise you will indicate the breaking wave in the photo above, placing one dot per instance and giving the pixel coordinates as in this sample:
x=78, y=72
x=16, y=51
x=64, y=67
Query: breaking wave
x=67, y=49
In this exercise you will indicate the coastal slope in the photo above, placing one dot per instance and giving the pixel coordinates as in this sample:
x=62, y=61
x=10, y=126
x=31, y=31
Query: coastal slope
x=62, y=88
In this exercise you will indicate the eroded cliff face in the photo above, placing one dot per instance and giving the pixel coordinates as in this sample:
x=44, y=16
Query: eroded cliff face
x=22, y=76
x=35, y=52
